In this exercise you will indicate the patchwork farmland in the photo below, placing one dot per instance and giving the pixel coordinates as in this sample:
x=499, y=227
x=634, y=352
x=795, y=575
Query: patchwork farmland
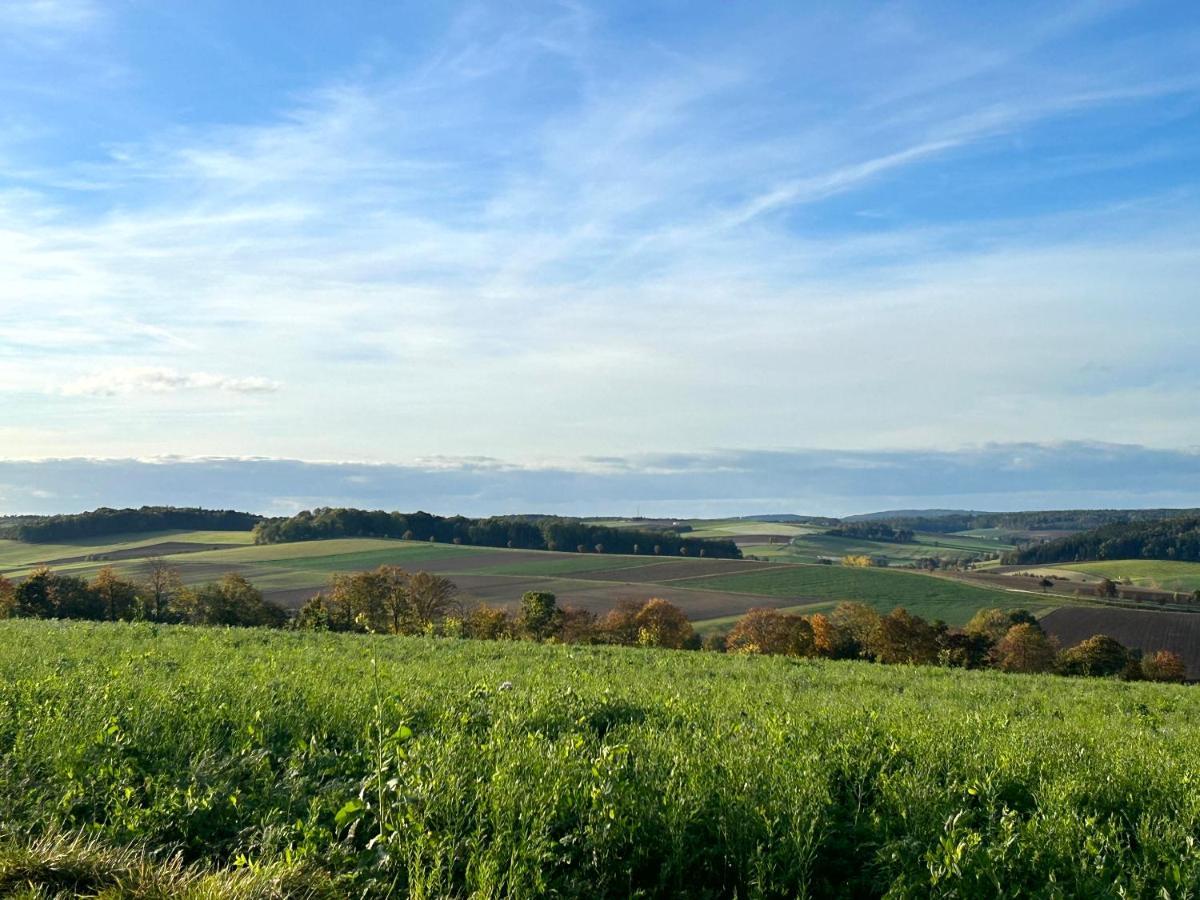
x=706, y=589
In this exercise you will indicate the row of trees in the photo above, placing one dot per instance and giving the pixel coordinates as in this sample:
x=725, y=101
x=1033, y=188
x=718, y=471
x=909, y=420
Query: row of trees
x=1037, y=520
x=391, y=600
x=1008, y=641
x=522, y=532
x=105, y=521
x=1177, y=539
x=159, y=597
x=872, y=531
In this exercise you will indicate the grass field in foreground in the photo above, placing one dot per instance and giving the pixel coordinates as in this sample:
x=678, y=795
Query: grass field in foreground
x=521, y=770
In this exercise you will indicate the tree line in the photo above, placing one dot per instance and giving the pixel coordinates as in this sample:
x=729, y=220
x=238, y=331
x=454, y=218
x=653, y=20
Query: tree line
x=520, y=532
x=872, y=531
x=159, y=596
x=1169, y=539
x=392, y=600
x=383, y=601
x=1034, y=520
x=104, y=521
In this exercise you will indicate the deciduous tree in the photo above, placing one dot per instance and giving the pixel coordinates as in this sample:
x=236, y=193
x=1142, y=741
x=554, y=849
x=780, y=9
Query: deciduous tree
x=1025, y=648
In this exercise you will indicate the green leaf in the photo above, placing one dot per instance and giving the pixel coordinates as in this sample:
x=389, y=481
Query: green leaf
x=348, y=813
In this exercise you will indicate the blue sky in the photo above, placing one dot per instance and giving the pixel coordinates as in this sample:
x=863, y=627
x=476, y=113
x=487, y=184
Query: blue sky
x=553, y=235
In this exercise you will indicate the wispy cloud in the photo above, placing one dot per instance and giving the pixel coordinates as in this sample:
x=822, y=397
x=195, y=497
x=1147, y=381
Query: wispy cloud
x=542, y=233
x=140, y=379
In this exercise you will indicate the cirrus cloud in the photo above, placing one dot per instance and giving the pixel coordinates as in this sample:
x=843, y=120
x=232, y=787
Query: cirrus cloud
x=153, y=379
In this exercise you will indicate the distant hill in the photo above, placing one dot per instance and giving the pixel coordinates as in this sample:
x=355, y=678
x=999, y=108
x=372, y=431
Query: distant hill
x=791, y=517
x=912, y=514
x=1175, y=538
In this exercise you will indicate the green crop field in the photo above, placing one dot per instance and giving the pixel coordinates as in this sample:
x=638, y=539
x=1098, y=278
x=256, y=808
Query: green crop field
x=140, y=760
x=933, y=598
x=814, y=545
x=1164, y=575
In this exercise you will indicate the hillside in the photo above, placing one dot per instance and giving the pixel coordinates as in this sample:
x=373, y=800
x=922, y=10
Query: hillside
x=1168, y=539
x=704, y=588
x=509, y=769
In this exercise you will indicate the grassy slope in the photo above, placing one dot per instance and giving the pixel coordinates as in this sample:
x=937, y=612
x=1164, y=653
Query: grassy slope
x=601, y=773
x=923, y=595
x=17, y=554
x=1152, y=573
x=809, y=547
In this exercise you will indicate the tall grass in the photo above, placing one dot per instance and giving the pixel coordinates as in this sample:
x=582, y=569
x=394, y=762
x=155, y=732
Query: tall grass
x=506, y=770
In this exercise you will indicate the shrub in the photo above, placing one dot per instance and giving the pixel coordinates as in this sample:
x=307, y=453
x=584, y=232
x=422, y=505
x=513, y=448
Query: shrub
x=1164, y=665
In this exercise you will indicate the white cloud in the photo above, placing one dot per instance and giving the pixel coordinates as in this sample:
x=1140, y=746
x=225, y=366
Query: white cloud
x=149, y=379
x=430, y=264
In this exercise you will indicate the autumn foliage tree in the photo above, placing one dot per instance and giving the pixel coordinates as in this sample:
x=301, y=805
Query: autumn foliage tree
x=1164, y=666
x=661, y=623
x=766, y=630
x=1025, y=648
x=489, y=623
x=900, y=637
x=8, y=597
x=1098, y=656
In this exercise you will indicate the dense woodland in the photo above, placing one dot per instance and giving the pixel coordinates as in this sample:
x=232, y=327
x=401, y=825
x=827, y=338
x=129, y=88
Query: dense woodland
x=1171, y=539
x=949, y=521
x=549, y=533
x=104, y=521
x=872, y=531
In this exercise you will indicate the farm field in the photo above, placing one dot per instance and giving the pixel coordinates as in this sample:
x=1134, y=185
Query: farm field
x=813, y=546
x=1146, y=630
x=705, y=589
x=515, y=769
x=16, y=554
x=1163, y=575
x=925, y=595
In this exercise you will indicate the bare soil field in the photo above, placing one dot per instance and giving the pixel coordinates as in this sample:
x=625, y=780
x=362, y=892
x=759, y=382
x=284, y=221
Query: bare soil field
x=1145, y=630
x=166, y=548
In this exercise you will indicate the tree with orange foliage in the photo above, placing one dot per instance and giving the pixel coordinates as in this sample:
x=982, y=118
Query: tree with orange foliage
x=8, y=597
x=661, y=623
x=856, y=623
x=1164, y=665
x=766, y=630
x=488, y=623
x=577, y=626
x=619, y=624
x=901, y=637
x=1025, y=648
x=117, y=596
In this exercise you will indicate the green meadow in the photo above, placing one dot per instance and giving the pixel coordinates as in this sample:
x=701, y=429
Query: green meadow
x=153, y=761
x=1163, y=575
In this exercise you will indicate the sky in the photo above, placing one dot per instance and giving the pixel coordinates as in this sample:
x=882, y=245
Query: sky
x=687, y=257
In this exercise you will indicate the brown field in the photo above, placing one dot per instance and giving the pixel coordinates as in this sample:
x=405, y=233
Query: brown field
x=165, y=548
x=1143, y=630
